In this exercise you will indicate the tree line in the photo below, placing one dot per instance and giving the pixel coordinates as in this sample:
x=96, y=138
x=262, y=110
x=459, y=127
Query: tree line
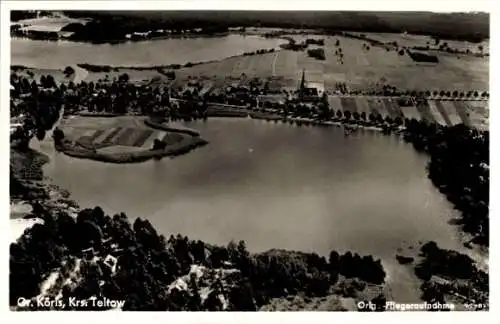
x=39, y=103
x=459, y=168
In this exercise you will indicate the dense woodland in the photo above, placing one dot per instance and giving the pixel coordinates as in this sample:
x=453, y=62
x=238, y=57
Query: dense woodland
x=459, y=168
x=148, y=263
x=113, y=26
x=472, y=27
x=39, y=103
x=459, y=272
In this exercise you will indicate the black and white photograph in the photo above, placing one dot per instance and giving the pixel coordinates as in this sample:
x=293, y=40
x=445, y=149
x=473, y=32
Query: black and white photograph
x=212, y=159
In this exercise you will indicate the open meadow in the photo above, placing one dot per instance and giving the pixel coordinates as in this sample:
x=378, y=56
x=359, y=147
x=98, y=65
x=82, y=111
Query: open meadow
x=359, y=68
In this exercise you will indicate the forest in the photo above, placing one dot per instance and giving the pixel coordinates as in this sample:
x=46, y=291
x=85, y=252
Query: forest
x=458, y=270
x=148, y=263
x=460, y=26
x=459, y=168
x=113, y=26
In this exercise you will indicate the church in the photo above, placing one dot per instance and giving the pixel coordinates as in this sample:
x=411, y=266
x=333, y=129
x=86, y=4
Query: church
x=305, y=93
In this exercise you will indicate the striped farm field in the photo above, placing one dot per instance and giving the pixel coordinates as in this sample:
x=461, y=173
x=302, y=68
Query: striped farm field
x=111, y=134
x=115, y=132
x=363, y=106
x=439, y=106
x=349, y=104
x=105, y=133
x=122, y=137
x=411, y=112
x=377, y=107
x=150, y=140
x=141, y=139
x=424, y=110
x=450, y=110
x=438, y=116
x=392, y=107
x=334, y=102
x=462, y=112
x=126, y=136
x=96, y=134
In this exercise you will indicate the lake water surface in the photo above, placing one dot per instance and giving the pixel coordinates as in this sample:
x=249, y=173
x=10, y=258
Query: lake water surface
x=277, y=186
x=57, y=55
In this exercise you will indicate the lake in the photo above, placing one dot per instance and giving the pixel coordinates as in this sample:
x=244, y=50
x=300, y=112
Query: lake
x=57, y=55
x=278, y=186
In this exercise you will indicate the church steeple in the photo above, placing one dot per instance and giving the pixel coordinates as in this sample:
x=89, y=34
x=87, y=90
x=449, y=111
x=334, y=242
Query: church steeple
x=302, y=84
x=303, y=80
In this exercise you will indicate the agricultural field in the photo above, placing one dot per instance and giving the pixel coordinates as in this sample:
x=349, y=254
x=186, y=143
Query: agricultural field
x=360, y=68
x=119, y=134
x=442, y=112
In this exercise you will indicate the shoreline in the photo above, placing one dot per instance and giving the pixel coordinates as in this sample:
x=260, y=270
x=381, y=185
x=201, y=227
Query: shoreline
x=351, y=124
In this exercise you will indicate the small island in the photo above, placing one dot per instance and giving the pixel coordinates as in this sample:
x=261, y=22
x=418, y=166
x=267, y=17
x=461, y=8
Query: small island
x=124, y=139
